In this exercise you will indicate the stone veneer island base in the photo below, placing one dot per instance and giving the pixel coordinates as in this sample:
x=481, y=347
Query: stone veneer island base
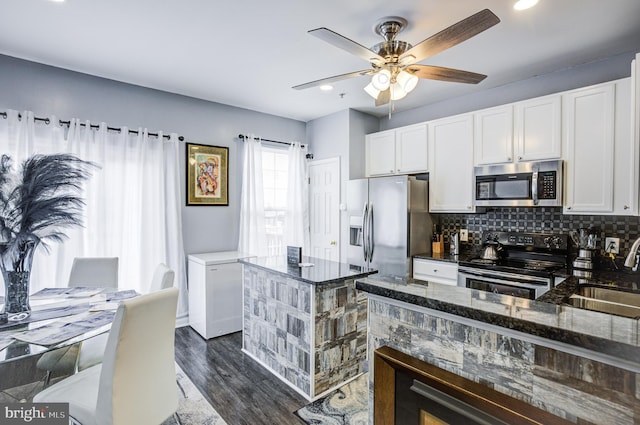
x=581, y=366
x=307, y=325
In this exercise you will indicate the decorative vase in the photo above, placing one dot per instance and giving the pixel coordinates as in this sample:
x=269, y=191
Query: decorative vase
x=15, y=263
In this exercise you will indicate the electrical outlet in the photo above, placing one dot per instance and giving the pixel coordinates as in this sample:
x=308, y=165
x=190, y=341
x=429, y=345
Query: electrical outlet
x=612, y=245
x=464, y=235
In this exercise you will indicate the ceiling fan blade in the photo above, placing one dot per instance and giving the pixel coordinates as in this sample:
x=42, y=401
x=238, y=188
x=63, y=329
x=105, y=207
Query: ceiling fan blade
x=333, y=79
x=383, y=97
x=347, y=44
x=445, y=74
x=451, y=36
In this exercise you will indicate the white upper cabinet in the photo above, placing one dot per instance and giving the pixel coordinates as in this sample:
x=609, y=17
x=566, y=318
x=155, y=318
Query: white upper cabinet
x=451, y=164
x=411, y=149
x=523, y=131
x=399, y=151
x=538, y=128
x=380, y=151
x=600, y=160
x=493, y=140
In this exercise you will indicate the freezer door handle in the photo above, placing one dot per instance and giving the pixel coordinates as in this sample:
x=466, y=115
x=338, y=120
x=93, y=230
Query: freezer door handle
x=365, y=211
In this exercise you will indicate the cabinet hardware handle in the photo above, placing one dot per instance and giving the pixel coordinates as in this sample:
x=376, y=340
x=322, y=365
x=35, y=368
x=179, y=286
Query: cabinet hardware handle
x=435, y=270
x=519, y=158
x=391, y=171
x=333, y=243
x=213, y=270
x=509, y=159
x=626, y=207
x=568, y=208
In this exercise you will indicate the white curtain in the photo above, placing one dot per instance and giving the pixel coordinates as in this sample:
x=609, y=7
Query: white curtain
x=297, y=218
x=253, y=236
x=132, y=201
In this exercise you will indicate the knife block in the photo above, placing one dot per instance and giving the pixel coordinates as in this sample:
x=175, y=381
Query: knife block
x=437, y=247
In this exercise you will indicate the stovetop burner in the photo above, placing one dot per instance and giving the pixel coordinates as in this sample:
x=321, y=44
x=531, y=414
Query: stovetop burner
x=524, y=253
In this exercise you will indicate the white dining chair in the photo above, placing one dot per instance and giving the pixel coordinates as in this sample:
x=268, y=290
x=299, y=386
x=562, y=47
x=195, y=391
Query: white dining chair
x=85, y=271
x=163, y=278
x=136, y=382
x=92, y=350
x=94, y=271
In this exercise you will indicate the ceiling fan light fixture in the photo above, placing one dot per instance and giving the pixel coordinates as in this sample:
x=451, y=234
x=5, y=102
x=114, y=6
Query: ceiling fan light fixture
x=372, y=91
x=397, y=92
x=407, y=81
x=381, y=80
x=326, y=87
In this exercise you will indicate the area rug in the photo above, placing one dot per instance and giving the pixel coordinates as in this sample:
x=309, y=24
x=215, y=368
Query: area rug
x=193, y=408
x=348, y=405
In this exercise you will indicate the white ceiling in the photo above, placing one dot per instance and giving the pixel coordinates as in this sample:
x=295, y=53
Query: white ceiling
x=249, y=53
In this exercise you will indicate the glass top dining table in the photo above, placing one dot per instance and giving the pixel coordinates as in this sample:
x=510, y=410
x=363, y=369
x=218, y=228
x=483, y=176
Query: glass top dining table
x=60, y=317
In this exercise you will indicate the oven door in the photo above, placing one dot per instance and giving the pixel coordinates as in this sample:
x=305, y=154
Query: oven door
x=516, y=285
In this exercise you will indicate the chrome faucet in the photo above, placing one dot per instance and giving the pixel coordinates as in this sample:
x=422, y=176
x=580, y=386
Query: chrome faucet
x=633, y=258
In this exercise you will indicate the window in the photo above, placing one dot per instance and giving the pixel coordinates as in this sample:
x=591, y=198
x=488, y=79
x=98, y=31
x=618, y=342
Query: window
x=275, y=167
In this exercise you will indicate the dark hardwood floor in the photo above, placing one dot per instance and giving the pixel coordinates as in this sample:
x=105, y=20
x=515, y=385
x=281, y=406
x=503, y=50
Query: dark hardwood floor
x=238, y=388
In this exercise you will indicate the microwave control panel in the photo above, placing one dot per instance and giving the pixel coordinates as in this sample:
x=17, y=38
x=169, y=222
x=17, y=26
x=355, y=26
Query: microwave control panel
x=547, y=185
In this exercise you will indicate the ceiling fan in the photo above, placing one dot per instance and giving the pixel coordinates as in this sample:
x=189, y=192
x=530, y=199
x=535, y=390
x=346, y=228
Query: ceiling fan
x=394, y=68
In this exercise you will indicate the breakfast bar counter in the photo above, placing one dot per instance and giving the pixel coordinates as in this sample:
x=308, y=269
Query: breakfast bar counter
x=307, y=325
x=578, y=364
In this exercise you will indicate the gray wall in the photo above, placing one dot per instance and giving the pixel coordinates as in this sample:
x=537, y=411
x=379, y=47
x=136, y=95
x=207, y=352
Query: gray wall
x=580, y=76
x=342, y=135
x=47, y=91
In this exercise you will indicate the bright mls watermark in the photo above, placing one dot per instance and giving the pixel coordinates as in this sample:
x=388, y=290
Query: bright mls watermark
x=34, y=413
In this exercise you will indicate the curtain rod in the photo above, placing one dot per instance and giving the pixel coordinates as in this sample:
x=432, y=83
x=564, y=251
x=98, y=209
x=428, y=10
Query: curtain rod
x=242, y=136
x=308, y=156
x=67, y=123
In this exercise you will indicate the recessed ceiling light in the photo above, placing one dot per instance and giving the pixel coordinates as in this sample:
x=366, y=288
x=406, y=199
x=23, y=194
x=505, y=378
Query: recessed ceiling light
x=524, y=4
x=57, y=1
x=326, y=87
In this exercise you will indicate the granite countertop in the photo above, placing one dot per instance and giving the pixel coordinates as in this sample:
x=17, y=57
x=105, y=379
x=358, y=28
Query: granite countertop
x=321, y=271
x=600, y=332
x=622, y=279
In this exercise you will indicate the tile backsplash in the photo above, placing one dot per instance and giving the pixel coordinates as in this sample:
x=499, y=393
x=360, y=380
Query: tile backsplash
x=540, y=220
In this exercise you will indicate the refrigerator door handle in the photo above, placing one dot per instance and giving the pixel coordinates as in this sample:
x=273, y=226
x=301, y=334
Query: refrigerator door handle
x=370, y=232
x=365, y=211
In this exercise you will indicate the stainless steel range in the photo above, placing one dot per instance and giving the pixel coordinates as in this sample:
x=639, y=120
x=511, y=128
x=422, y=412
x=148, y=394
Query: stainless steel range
x=526, y=265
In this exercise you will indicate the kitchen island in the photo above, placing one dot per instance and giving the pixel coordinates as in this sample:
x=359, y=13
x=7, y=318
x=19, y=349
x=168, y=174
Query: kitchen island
x=580, y=365
x=307, y=325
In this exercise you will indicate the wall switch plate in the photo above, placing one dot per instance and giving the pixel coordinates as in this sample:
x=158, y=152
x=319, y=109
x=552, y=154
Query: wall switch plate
x=464, y=235
x=612, y=245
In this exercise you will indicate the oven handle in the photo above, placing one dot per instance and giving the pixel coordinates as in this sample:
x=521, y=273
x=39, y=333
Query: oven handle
x=504, y=279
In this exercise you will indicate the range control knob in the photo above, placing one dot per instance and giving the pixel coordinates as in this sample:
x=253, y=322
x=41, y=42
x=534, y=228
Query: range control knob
x=556, y=241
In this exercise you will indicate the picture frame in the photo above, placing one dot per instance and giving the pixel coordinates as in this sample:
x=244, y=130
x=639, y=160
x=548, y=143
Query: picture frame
x=207, y=175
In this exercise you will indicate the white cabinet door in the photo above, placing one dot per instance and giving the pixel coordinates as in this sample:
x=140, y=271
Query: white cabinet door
x=626, y=161
x=380, y=149
x=411, y=149
x=588, y=122
x=493, y=140
x=538, y=128
x=451, y=164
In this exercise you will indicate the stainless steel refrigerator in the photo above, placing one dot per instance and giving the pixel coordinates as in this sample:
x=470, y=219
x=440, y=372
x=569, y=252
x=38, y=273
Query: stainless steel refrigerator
x=389, y=222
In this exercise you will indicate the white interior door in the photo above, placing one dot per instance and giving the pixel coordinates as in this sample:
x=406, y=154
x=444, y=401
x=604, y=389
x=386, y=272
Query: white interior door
x=324, y=219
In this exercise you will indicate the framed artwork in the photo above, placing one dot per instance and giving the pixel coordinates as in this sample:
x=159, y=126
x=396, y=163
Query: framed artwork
x=207, y=175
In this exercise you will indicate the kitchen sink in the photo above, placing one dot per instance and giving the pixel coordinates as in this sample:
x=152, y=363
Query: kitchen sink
x=621, y=303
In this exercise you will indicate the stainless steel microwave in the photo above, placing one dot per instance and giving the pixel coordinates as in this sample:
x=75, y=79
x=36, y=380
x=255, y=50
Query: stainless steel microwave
x=523, y=184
